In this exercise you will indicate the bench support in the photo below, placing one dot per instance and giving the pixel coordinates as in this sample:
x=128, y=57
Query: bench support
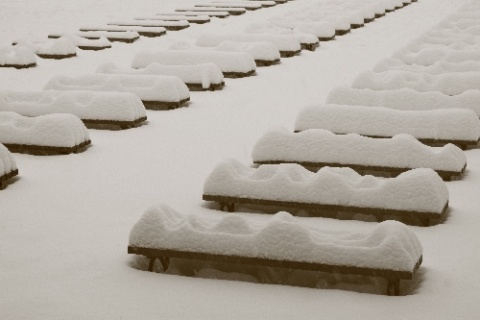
x=165, y=261
x=229, y=205
x=393, y=287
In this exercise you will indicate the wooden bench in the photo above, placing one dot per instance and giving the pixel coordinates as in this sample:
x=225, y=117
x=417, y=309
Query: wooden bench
x=393, y=252
x=7, y=176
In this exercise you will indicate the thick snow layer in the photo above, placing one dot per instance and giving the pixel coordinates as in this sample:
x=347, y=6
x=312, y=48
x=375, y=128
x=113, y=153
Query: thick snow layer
x=62, y=46
x=189, y=13
x=263, y=51
x=7, y=162
x=321, y=146
x=405, y=99
x=442, y=124
x=204, y=10
x=169, y=17
x=227, y=61
x=283, y=42
x=146, y=87
x=81, y=42
x=420, y=190
x=447, y=83
x=231, y=4
x=303, y=38
x=119, y=35
x=436, y=68
x=429, y=56
x=114, y=28
x=318, y=29
x=16, y=55
x=87, y=105
x=390, y=245
x=52, y=130
x=151, y=23
x=206, y=74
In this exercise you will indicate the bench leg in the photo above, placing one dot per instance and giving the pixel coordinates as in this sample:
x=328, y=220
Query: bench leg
x=393, y=287
x=151, y=264
x=165, y=261
x=229, y=205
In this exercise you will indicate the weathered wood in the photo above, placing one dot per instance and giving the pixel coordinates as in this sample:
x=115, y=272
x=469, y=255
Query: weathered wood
x=238, y=74
x=266, y=63
x=18, y=66
x=46, y=150
x=7, y=176
x=199, y=86
x=289, y=54
x=120, y=123
x=392, y=171
x=336, y=211
x=56, y=56
x=393, y=277
x=164, y=105
x=309, y=46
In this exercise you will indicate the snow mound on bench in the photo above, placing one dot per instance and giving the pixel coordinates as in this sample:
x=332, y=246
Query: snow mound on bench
x=390, y=245
x=303, y=38
x=61, y=46
x=259, y=50
x=226, y=61
x=53, y=130
x=283, y=42
x=7, y=162
x=17, y=55
x=87, y=105
x=205, y=73
x=146, y=87
x=321, y=146
x=446, y=124
x=429, y=56
x=405, y=99
x=415, y=190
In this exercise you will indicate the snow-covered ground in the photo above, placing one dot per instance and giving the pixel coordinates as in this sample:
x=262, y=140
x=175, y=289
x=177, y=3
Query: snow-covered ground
x=65, y=222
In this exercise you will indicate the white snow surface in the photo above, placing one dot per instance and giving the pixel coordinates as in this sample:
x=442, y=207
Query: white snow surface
x=419, y=190
x=92, y=105
x=446, y=124
x=65, y=221
x=405, y=99
x=303, y=38
x=151, y=23
x=226, y=61
x=7, y=162
x=146, y=87
x=204, y=73
x=61, y=46
x=321, y=146
x=283, y=42
x=390, y=245
x=437, y=68
x=447, y=83
x=52, y=130
x=16, y=55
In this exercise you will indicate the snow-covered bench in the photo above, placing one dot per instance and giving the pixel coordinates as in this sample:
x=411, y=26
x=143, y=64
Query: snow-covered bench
x=168, y=25
x=418, y=196
x=59, y=133
x=205, y=76
x=61, y=48
x=405, y=99
x=8, y=167
x=288, y=45
x=429, y=56
x=390, y=250
x=316, y=148
x=143, y=31
x=18, y=57
x=439, y=127
x=198, y=19
x=307, y=41
x=232, y=64
x=448, y=83
x=93, y=108
x=213, y=14
x=156, y=92
x=209, y=10
x=229, y=5
x=119, y=36
x=437, y=68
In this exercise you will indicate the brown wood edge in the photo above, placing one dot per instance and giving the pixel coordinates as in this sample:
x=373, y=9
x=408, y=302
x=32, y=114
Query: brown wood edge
x=317, y=208
x=230, y=11
x=4, y=178
x=51, y=150
x=446, y=175
x=164, y=105
x=270, y=262
x=310, y=46
x=233, y=75
x=150, y=34
x=341, y=32
x=19, y=66
x=56, y=56
x=289, y=54
x=93, y=48
x=326, y=38
x=266, y=63
x=199, y=86
x=120, y=123
x=112, y=39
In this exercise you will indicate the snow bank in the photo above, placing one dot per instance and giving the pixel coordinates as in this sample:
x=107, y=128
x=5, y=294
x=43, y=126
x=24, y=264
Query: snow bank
x=321, y=146
x=17, y=56
x=146, y=87
x=429, y=56
x=283, y=42
x=405, y=99
x=87, y=105
x=229, y=62
x=437, y=68
x=7, y=162
x=390, y=245
x=53, y=130
x=208, y=75
x=448, y=83
x=419, y=190
x=443, y=124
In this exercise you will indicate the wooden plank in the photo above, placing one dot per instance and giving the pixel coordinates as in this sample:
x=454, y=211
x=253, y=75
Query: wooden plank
x=47, y=150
